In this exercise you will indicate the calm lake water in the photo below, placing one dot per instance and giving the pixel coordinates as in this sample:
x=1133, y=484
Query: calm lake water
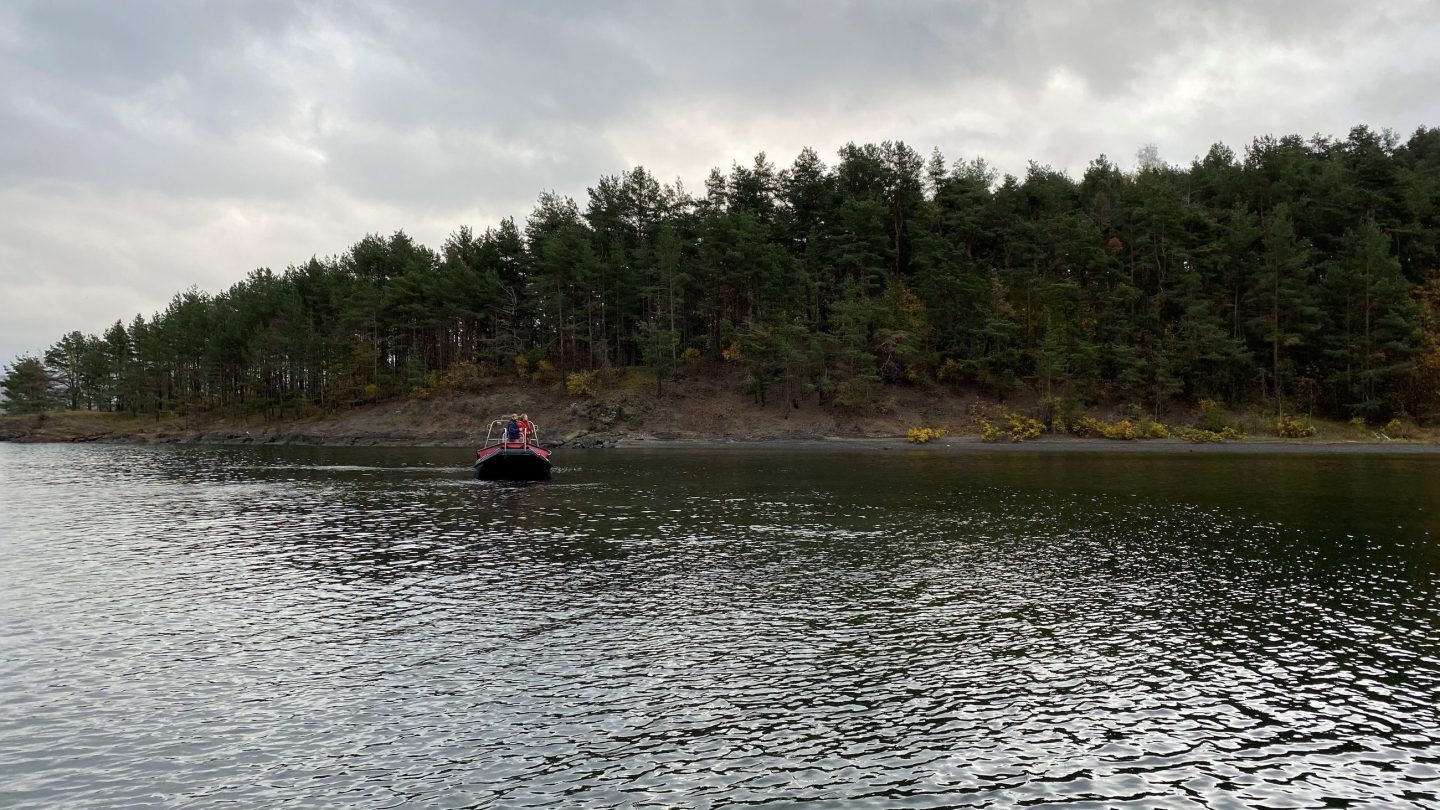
x=281, y=627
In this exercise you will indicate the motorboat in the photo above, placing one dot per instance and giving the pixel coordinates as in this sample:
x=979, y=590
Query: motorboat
x=511, y=456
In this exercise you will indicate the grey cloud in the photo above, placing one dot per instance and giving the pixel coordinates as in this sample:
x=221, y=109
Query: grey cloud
x=296, y=127
x=110, y=46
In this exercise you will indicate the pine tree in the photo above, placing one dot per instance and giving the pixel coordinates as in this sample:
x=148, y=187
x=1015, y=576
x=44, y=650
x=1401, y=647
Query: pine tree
x=28, y=386
x=1282, y=300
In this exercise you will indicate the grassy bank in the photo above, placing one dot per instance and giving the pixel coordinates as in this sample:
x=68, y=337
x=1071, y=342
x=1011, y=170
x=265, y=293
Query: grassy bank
x=705, y=406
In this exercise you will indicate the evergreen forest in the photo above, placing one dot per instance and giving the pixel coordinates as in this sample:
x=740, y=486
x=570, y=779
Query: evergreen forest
x=1299, y=276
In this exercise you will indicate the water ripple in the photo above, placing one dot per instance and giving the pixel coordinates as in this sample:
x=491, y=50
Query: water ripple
x=200, y=627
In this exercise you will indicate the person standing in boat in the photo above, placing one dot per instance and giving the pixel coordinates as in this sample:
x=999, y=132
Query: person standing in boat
x=512, y=428
x=527, y=430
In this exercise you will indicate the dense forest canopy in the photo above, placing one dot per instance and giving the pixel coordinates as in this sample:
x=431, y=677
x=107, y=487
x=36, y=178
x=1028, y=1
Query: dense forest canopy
x=1299, y=276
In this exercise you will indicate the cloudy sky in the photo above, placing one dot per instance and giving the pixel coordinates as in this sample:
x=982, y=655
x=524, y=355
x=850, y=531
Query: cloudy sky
x=149, y=146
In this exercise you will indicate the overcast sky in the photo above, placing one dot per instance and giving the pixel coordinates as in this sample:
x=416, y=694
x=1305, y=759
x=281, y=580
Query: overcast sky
x=149, y=146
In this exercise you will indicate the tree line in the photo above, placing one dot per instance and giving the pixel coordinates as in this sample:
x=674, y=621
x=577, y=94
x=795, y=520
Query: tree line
x=1299, y=276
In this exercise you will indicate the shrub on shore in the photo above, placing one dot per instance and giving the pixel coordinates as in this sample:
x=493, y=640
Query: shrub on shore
x=581, y=384
x=1399, y=429
x=921, y=435
x=1289, y=427
x=1123, y=430
x=1016, y=427
x=1202, y=435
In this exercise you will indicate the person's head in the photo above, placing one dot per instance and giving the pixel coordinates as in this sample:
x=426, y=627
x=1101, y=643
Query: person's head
x=525, y=417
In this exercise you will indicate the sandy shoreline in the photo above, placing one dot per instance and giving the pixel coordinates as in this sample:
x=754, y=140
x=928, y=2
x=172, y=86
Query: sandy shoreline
x=1046, y=445
x=701, y=414
x=298, y=435
x=1049, y=444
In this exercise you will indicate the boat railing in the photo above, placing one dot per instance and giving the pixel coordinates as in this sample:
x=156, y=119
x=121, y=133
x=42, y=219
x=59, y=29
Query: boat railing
x=495, y=434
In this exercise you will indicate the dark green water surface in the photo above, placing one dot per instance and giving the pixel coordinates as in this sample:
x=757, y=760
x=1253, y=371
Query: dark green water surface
x=269, y=627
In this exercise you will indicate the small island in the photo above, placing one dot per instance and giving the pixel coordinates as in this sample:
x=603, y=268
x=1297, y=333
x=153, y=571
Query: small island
x=1286, y=293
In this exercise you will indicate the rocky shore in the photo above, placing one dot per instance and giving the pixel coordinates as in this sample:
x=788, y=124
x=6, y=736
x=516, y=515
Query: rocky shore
x=702, y=411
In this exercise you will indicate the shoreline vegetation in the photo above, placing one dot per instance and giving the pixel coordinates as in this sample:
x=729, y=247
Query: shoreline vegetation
x=702, y=409
x=1292, y=292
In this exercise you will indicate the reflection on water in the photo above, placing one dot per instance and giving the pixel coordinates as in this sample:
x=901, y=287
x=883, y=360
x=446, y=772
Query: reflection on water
x=265, y=627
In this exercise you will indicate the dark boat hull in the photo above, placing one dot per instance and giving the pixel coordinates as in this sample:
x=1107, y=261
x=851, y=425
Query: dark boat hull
x=513, y=464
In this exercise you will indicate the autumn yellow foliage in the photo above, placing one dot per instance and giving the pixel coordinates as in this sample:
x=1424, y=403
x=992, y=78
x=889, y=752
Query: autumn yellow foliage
x=1200, y=435
x=1090, y=427
x=921, y=435
x=581, y=384
x=1123, y=430
x=1016, y=428
x=1288, y=427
